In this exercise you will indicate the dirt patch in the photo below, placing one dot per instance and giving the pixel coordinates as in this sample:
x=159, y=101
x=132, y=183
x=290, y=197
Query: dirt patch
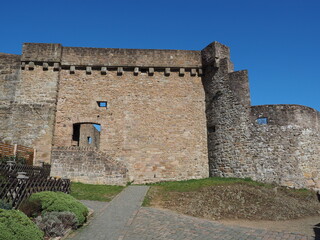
x=239, y=201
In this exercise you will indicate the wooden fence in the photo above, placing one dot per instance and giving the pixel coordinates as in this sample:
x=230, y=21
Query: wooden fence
x=11, y=170
x=8, y=150
x=14, y=189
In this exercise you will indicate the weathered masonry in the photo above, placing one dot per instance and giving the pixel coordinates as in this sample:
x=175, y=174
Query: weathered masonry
x=117, y=115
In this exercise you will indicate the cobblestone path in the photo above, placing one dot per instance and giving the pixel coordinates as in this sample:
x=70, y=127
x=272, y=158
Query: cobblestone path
x=124, y=219
x=152, y=223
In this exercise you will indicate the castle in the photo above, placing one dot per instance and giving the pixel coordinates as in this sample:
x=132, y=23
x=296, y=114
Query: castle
x=111, y=116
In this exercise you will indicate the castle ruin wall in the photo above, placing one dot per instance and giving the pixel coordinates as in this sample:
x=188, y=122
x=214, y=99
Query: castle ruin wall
x=87, y=165
x=166, y=115
x=9, y=79
x=227, y=109
x=154, y=122
x=285, y=149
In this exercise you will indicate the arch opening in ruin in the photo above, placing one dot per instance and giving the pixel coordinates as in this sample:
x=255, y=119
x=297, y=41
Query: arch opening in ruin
x=86, y=134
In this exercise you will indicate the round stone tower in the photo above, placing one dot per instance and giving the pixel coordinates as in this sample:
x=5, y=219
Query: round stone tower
x=228, y=113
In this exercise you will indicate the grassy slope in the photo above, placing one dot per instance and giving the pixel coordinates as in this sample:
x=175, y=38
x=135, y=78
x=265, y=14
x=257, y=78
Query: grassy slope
x=217, y=198
x=104, y=193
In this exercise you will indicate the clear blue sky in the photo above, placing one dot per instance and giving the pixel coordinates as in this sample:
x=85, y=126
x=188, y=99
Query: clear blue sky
x=278, y=41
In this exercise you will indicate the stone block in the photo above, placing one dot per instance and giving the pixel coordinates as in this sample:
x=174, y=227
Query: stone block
x=45, y=66
x=151, y=71
x=136, y=71
x=31, y=65
x=167, y=71
x=216, y=63
x=104, y=70
x=72, y=69
x=88, y=70
x=56, y=66
x=120, y=71
x=181, y=72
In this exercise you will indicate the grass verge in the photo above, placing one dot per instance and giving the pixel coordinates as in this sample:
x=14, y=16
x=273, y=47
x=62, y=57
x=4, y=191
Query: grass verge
x=196, y=184
x=162, y=189
x=94, y=192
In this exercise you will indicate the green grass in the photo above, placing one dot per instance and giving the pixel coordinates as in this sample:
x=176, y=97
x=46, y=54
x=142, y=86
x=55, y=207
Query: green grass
x=146, y=201
x=196, y=184
x=103, y=193
x=163, y=188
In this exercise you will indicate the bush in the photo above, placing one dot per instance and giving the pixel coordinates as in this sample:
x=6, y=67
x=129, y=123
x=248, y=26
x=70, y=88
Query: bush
x=17, y=159
x=4, y=205
x=15, y=225
x=54, y=224
x=60, y=202
x=31, y=208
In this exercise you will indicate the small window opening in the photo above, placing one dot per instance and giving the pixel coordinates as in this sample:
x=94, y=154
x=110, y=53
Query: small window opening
x=211, y=129
x=89, y=140
x=262, y=121
x=102, y=104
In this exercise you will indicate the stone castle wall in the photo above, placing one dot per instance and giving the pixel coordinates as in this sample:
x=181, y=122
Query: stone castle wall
x=9, y=79
x=227, y=108
x=154, y=124
x=286, y=149
x=155, y=120
x=170, y=115
x=34, y=108
x=87, y=165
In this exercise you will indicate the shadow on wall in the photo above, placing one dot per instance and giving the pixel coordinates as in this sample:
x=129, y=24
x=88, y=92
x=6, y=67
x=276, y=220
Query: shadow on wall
x=86, y=135
x=316, y=230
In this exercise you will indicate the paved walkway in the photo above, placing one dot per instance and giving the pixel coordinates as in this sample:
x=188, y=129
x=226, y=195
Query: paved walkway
x=123, y=219
x=109, y=223
x=151, y=223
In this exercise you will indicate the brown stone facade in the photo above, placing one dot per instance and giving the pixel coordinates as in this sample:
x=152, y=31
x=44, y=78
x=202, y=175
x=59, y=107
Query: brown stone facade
x=112, y=116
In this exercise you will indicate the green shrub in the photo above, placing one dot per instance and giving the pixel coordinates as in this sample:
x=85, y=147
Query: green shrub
x=17, y=159
x=55, y=224
x=4, y=205
x=15, y=225
x=60, y=202
x=31, y=208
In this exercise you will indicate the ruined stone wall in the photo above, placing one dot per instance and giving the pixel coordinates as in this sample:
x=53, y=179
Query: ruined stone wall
x=227, y=109
x=169, y=113
x=87, y=165
x=35, y=99
x=155, y=121
x=88, y=130
x=114, y=57
x=286, y=149
x=9, y=79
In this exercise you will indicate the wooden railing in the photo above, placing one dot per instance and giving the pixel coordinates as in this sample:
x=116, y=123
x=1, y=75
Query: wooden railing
x=16, y=185
x=15, y=190
x=11, y=170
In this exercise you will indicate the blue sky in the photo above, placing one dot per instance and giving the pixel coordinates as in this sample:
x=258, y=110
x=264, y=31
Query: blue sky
x=278, y=41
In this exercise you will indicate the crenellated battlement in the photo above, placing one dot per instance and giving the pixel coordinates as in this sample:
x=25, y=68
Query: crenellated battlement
x=135, y=70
